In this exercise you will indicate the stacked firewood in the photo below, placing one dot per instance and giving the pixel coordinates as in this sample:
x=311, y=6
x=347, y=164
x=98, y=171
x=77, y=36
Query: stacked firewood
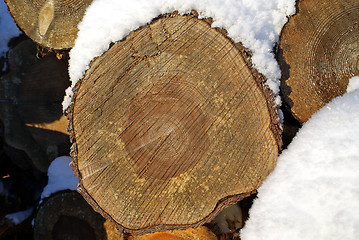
x=168, y=128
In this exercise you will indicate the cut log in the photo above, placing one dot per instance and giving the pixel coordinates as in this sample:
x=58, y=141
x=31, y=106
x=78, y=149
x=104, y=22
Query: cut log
x=30, y=107
x=66, y=215
x=201, y=233
x=52, y=24
x=319, y=49
x=170, y=126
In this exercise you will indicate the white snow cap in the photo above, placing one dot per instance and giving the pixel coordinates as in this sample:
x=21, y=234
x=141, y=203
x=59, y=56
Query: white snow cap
x=61, y=177
x=8, y=29
x=353, y=84
x=256, y=24
x=313, y=193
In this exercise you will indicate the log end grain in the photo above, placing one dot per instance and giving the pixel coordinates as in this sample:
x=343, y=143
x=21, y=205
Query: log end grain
x=318, y=54
x=170, y=126
x=51, y=24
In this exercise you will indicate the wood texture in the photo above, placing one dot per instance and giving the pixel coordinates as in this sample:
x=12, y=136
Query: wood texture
x=67, y=216
x=319, y=49
x=170, y=126
x=201, y=233
x=30, y=107
x=50, y=23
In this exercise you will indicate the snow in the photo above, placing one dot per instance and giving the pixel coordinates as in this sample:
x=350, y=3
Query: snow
x=313, y=193
x=232, y=214
x=353, y=84
x=256, y=24
x=8, y=29
x=19, y=217
x=61, y=177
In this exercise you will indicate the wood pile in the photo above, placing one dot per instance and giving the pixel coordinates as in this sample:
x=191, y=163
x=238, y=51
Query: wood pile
x=172, y=124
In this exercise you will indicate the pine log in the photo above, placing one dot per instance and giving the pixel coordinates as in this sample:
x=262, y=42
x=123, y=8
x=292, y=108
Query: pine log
x=30, y=108
x=318, y=53
x=67, y=216
x=52, y=24
x=201, y=233
x=170, y=126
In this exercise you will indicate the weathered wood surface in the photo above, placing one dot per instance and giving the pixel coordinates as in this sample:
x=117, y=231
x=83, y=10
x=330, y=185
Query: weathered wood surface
x=50, y=23
x=170, y=126
x=319, y=49
x=201, y=233
x=30, y=107
x=67, y=216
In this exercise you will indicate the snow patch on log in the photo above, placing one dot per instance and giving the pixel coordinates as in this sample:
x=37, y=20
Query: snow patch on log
x=313, y=192
x=353, y=84
x=61, y=177
x=18, y=217
x=257, y=24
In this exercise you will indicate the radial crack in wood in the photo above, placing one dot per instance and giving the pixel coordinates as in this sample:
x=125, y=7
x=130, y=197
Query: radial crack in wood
x=52, y=24
x=170, y=126
x=319, y=52
x=46, y=15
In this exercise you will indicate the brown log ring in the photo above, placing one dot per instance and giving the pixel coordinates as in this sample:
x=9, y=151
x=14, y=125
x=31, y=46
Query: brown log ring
x=50, y=23
x=319, y=52
x=66, y=215
x=170, y=126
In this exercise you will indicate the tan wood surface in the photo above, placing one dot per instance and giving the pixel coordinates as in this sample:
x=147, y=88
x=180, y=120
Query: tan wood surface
x=201, y=233
x=319, y=49
x=170, y=126
x=50, y=23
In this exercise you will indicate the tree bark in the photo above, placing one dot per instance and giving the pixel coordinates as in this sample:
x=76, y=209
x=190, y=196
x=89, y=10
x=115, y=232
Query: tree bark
x=171, y=125
x=52, y=24
x=319, y=49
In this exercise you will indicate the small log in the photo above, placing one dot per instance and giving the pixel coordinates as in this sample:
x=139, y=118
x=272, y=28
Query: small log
x=319, y=49
x=201, y=233
x=52, y=24
x=66, y=216
x=170, y=126
x=30, y=107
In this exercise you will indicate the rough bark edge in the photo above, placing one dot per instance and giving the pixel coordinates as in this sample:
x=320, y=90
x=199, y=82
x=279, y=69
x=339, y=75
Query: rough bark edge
x=221, y=203
x=284, y=67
